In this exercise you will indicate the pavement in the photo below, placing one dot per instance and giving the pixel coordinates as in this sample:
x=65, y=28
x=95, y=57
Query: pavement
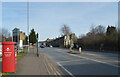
x=0, y=66
x=87, y=63
x=33, y=65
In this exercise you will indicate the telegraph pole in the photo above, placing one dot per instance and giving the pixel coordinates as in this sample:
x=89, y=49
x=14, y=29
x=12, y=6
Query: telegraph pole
x=37, y=46
x=28, y=22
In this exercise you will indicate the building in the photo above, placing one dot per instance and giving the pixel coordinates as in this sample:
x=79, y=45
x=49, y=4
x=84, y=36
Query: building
x=18, y=36
x=22, y=38
x=66, y=40
x=63, y=41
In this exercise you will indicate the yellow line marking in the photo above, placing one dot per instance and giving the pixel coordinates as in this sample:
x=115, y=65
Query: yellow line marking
x=54, y=69
x=47, y=68
x=49, y=65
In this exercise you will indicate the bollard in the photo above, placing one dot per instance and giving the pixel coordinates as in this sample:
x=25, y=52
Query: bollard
x=79, y=49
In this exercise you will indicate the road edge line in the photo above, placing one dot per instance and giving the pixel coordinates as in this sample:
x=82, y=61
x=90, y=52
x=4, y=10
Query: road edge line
x=65, y=70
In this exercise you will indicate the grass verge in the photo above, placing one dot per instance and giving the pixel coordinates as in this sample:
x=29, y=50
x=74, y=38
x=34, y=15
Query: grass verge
x=20, y=55
x=0, y=59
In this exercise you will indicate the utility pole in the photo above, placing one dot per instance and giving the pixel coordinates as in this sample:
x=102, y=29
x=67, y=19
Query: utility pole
x=28, y=22
x=37, y=46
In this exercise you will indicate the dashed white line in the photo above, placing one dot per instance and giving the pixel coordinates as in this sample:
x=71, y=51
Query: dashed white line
x=69, y=61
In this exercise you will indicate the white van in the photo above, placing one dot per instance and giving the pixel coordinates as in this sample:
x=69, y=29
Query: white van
x=0, y=50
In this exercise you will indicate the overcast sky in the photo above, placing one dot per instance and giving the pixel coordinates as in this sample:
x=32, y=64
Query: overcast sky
x=48, y=17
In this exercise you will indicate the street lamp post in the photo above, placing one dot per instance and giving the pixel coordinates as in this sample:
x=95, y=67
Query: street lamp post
x=28, y=22
x=37, y=46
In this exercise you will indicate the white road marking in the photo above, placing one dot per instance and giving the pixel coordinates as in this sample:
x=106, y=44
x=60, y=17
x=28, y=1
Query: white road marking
x=94, y=60
x=91, y=59
x=65, y=69
x=69, y=61
x=92, y=54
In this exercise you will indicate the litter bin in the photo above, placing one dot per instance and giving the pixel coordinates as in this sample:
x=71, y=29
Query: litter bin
x=9, y=57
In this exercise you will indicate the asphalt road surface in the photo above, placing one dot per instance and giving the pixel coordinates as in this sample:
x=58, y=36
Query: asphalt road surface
x=87, y=63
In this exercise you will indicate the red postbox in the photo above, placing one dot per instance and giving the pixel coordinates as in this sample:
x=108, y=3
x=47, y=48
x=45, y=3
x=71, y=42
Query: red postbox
x=9, y=58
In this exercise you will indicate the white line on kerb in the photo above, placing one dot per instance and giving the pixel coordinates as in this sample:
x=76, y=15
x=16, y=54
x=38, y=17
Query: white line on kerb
x=94, y=60
x=65, y=69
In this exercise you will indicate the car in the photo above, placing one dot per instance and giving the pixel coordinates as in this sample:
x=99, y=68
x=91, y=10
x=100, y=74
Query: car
x=51, y=46
x=42, y=46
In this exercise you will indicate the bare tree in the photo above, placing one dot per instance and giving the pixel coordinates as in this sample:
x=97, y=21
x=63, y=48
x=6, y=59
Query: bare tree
x=100, y=29
x=5, y=33
x=97, y=30
x=92, y=30
x=81, y=36
x=65, y=30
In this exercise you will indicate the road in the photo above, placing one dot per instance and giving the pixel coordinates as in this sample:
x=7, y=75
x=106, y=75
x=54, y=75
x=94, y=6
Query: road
x=88, y=63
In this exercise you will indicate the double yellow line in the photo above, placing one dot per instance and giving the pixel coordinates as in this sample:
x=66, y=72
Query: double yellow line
x=57, y=74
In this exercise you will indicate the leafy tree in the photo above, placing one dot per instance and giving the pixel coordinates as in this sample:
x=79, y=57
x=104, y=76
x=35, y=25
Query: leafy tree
x=32, y=37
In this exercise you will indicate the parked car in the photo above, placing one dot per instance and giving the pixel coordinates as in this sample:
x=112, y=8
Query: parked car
x=42, y=46
x=51, y=46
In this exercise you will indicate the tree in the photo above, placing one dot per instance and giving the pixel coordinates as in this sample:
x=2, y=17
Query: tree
x=111, y=31
x=100, y=29
x=32, y=37
x=5, y=33
x=111, y=36
x=119, y=38
x=9, y=39
x=65, y=30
